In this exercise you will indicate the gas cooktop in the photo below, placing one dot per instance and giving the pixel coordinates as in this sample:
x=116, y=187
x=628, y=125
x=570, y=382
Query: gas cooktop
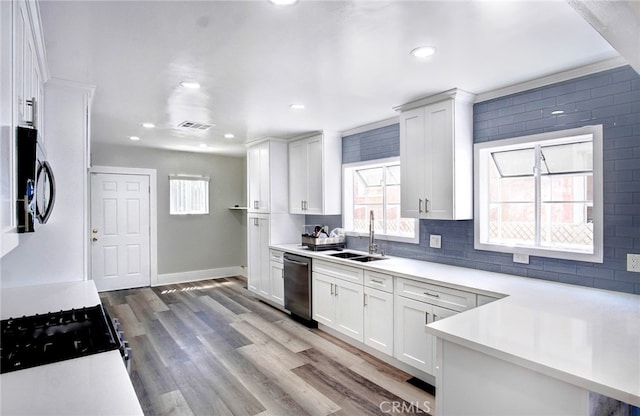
x=31, y=341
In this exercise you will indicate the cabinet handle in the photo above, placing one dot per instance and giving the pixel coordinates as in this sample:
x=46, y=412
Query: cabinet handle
x=31, y=103
x=256, y=205
x=435, y=317
x=336, y=290
x=366, y=299
x=426, y=318
x=433, y=295
x=377, y=281
x=255, y=222
x=302, y=205
x=419, y=205
x=426, y=208
x=331, y=289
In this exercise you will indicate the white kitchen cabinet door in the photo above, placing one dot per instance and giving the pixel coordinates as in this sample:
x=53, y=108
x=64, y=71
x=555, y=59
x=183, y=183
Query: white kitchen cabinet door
x=412, y=162
x=298, y=172
x=436, y=155
x=258, y=177
x=277, y=282
x=378, y=320
x=322, y=289
x=315, y=175
x=258, y=254
x=349, y=309
x=412, y=344
x=267, y=176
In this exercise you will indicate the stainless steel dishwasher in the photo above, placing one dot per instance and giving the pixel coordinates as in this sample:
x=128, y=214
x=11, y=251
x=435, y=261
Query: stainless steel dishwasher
x=297, y=288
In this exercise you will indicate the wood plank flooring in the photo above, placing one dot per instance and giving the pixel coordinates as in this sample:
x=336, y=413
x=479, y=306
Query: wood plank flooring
x=212, y=348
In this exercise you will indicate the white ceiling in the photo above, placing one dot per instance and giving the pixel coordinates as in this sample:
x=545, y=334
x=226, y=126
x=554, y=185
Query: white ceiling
x=347, y=61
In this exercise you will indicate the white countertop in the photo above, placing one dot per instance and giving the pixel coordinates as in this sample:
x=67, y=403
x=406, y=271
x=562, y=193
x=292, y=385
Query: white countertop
x=583, y=336
x=97, y=384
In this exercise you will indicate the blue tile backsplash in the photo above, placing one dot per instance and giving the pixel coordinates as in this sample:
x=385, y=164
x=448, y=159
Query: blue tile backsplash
x=610, y=98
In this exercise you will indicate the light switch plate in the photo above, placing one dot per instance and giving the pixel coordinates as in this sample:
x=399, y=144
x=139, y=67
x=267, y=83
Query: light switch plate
x=633, y=262
x=521, y=258
x=435, y=241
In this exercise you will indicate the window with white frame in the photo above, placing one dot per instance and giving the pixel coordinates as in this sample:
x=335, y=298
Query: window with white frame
x=541, y=195
x=375, y=186
x=188, y=195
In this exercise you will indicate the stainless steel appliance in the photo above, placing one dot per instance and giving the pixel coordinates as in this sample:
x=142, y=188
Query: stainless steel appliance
x=297, y=288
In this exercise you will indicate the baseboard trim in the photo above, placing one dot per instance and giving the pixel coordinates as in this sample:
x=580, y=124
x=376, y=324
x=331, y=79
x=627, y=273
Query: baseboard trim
x=197, y=275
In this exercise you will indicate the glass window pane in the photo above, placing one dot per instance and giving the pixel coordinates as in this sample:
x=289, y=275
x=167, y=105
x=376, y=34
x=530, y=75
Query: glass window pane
x=518, y=162
x=570, y=157
x=187, y=196
x=393, y=175
x=512, y=223
x=566, y=226
x=370, y=177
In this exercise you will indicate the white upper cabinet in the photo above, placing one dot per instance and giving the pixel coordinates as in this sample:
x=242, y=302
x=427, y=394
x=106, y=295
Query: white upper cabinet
x=23, y=71
x=315, y=175
x=436, y=157
x=267, y=176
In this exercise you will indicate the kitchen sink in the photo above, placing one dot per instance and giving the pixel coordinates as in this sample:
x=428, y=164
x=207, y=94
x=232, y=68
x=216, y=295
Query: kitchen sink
x=363, y=258
x=346, y=255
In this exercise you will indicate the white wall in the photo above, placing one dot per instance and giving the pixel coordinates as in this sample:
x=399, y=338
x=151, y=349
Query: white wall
x=197, y=246
x=56, y=251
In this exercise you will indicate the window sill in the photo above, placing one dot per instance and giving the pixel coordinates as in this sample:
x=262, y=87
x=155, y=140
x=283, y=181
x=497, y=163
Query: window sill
x=385, y=237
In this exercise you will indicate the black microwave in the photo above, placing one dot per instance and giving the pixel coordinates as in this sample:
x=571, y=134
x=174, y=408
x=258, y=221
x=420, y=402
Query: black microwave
x=35, y=182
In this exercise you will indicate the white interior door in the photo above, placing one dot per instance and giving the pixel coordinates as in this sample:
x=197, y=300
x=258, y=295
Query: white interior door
x=120, y=232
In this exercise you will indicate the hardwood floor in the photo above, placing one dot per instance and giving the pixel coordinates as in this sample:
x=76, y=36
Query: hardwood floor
x=211, y=348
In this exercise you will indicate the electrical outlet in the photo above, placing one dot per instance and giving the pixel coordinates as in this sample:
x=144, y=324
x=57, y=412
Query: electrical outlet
x=435, y=241
x=521, y=258
x=633, y=262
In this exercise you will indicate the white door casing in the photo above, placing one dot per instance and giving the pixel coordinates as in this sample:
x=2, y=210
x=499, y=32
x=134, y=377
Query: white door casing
x=122, y=232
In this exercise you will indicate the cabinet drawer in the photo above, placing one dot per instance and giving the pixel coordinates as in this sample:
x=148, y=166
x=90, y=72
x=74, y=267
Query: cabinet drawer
x=378, y=280
x=457, y=300
x=276, y=255
x=350, y=274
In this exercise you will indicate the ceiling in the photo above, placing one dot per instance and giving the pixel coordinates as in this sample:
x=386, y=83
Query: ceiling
x=348, y=62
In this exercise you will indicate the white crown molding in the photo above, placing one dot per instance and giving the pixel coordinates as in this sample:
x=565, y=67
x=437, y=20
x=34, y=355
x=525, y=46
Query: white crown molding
x=370, y=126
x=552, y=79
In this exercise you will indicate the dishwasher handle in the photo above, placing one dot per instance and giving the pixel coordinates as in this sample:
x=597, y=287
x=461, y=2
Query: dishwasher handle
x=288, y=260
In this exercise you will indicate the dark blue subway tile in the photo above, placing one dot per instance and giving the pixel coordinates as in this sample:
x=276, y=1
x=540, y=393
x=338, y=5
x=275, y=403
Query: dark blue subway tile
x=613, y=285
x=612, y=89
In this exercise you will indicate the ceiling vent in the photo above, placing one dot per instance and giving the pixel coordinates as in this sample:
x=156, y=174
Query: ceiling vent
x=192, y=125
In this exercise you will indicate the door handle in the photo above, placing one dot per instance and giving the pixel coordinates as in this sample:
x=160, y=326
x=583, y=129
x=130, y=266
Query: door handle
x=365, y=299
x=331, y=289
x=420, y=206
x=426, y=209
x=426, y=318
x=94, y=239
x=95, y=231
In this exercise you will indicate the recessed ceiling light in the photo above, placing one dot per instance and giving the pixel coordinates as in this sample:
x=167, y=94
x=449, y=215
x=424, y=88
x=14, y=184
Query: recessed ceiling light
x=134, y=138
x=296, y=106
x=283, y=2
x=190, y=84
x=556, y=112
x=148, y=125
x=229, y=136
x=422, y=52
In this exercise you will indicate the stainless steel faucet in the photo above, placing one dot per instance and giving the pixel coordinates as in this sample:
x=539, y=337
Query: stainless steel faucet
x=373, y=247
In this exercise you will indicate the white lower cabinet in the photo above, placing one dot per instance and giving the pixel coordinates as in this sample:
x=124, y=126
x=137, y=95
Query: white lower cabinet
x=412, y=343
x=416, y=305
x=276, y=277
x=338, y=304
x=258, y=254
x=378, y=320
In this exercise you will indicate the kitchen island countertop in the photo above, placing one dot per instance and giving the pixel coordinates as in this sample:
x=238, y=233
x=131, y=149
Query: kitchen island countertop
x=583, y=336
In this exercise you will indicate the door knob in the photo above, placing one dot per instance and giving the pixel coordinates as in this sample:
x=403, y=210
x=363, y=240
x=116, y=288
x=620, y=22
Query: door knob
x=94, y=239
x=95, y=231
